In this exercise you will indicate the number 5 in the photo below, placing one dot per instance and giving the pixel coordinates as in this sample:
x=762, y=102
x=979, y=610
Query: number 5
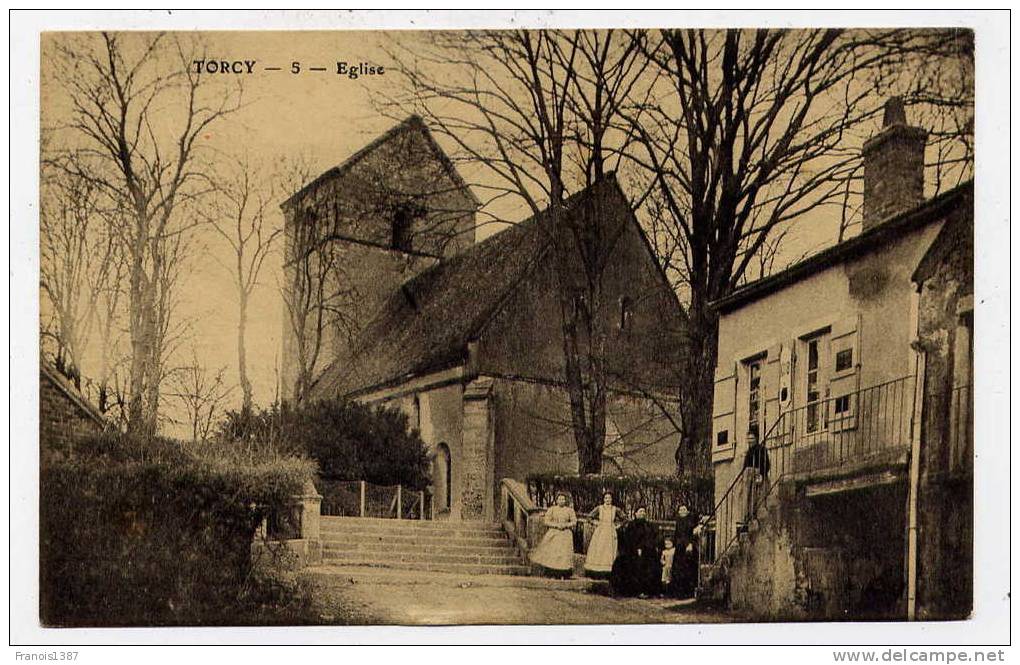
x=295, y=67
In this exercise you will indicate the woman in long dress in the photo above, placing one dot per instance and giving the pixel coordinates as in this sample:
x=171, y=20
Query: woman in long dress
x=556, y=550
x=602, y=548
x=683, y=580
x=637, y=570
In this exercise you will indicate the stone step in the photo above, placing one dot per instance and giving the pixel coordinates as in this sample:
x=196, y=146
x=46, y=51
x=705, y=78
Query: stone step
x=434, y=566
x=417, y=525
x=343, y=534
x=412, y=541
x=396, y=558
x=406, y=536
x=404, y=530
x=336, y=576
x=439, y=548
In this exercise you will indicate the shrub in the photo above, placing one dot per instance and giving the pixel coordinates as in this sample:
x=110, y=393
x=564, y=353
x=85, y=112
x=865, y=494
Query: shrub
x=662, y=495
x=154, y=532
x=350, y=441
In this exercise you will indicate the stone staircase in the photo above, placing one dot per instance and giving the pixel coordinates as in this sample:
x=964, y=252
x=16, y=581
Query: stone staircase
x=713, y=578
x=467, y=548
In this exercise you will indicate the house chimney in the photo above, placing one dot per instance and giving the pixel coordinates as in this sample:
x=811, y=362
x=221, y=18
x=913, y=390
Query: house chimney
x=893, y=166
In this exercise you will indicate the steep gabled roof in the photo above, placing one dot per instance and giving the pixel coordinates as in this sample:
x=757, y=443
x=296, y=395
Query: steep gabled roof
x=411, y=123
x=427, y=323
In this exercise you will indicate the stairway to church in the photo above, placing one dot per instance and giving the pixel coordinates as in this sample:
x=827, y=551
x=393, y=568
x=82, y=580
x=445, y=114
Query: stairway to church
x=470, y=548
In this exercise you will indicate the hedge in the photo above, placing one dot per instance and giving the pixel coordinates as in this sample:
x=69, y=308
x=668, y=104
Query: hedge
x=155, y=532
x=350, y=441
x=661, y=495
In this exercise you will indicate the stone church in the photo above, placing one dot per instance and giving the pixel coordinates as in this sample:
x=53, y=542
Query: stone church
x=466, y=335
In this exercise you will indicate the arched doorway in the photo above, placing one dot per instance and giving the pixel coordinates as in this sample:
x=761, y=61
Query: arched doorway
x=442, y=482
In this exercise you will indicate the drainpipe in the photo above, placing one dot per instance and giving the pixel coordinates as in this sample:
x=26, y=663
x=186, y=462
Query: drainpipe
x=915, y=460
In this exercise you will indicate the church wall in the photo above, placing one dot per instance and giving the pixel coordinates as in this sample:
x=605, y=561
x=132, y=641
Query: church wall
x=533, y=433
x=438, y=414
x=525, y=339
x=353, y=215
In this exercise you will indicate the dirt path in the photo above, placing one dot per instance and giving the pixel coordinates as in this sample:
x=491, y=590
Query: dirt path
x=392, y=603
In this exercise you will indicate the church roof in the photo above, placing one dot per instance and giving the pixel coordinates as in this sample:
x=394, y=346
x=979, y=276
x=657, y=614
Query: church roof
x=411, y=123
x=426, y=324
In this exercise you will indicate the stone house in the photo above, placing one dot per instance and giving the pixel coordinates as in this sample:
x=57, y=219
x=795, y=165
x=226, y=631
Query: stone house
x=64, y=413
x=467, y=337
x=825, y=362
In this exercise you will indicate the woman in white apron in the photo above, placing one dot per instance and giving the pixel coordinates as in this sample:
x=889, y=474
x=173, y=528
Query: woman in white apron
x=556, y=550
x=602, y=548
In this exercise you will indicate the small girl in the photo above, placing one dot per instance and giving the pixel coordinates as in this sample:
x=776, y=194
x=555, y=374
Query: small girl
x=668, y=551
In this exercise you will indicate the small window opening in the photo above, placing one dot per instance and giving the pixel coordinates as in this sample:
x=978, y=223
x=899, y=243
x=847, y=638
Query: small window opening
x=844, y=360
x=402, y=222
x=626, y=312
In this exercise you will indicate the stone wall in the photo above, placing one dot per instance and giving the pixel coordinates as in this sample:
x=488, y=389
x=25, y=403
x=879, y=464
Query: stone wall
x=524, y=338
x=837, y=556
x=348, y=216
x=63, y=413
x=533, y=433
x=946, y=490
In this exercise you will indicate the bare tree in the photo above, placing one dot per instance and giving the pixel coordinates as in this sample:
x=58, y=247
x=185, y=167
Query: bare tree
x=241, y=215
x=539, y=110
x=78, y=260
x=202, y=394
x=318, y=299
x=748, y=131
x=138, y=110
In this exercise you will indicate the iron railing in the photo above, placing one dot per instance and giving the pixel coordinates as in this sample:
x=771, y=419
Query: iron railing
x=362, y=499
x=829, y=434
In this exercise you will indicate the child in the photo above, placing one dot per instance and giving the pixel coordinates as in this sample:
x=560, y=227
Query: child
x=668, y=551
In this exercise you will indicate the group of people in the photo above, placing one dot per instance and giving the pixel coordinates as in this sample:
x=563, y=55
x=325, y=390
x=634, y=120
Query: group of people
x=632, y=555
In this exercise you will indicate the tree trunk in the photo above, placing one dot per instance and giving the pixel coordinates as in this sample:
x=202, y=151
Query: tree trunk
x=697, y=387
x=242, y=354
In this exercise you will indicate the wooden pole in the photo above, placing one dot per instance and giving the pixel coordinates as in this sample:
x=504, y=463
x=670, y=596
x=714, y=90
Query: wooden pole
x=421, y=505
x=362, y=498
x=399, y=502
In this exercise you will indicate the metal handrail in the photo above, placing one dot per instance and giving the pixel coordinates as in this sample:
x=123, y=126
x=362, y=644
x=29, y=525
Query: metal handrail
x=873, y=418
x=738, y=479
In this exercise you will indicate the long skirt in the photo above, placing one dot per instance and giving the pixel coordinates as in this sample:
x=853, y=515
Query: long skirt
x=601, y=549
x=633, y=575
x=684, y=578
x=555, y=551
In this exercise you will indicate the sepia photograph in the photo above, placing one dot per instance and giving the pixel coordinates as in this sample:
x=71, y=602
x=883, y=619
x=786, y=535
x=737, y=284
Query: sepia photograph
x=506, y=326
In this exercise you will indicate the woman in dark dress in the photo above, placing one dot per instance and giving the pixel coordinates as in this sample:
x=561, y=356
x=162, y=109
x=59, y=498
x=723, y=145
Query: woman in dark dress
x=684, y=578
x=637, y=569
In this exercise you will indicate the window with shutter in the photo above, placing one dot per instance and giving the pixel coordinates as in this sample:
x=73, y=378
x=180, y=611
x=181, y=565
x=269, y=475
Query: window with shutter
x=844, y=384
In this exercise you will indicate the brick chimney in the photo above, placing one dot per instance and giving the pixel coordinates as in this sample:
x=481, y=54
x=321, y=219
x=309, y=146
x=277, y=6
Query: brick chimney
x=893, y=166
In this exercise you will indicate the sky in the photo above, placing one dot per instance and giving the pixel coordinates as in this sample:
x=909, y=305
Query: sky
x=322, y=117
x=319, y=116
